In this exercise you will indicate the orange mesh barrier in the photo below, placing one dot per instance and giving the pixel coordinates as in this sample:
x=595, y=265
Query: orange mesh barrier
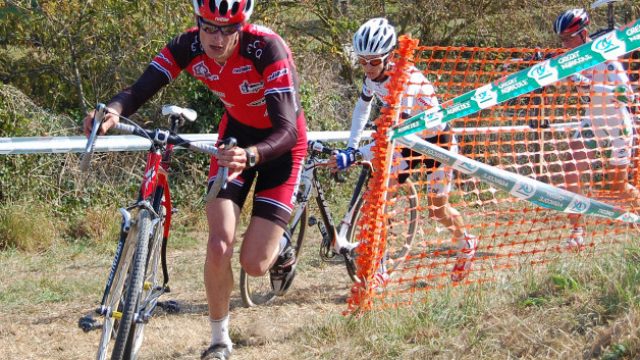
x=541, y=135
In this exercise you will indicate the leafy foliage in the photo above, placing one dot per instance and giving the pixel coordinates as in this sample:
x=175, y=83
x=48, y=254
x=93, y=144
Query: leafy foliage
x=69, y=55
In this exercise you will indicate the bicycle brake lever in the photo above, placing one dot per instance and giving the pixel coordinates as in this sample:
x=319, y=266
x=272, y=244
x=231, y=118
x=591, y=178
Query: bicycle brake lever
x=85, y=160
x=220, y=182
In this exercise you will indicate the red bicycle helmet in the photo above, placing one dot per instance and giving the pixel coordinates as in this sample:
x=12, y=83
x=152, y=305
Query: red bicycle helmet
x=224, y=11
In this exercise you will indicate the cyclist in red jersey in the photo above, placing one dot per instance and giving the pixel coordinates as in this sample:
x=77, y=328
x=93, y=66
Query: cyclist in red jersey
x=251, y=70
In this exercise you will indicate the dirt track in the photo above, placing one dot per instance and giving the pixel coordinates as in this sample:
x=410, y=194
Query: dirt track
x=50, y=331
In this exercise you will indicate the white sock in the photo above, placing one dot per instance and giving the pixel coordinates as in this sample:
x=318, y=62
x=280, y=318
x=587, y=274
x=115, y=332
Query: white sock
x=284, y=241
x=220, y=331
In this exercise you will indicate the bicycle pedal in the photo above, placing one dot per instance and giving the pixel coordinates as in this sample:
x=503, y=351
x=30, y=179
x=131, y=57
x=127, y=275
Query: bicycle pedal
x=88, y=323
x=170, y=306
x=312, y=221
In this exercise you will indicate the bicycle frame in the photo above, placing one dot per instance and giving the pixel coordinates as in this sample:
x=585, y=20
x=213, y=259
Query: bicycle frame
x=334, y=237
x=141, y=250
x=155, y=178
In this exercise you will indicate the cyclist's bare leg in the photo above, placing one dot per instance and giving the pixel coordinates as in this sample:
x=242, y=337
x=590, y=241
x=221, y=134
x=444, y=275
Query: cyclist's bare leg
x=260, y=246
x=222, y=217
x=441, y=211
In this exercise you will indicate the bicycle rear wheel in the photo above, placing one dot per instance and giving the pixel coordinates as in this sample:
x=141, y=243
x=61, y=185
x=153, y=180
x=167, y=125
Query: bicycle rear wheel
x=402, y=226
x=134, y=286
x=257, y=290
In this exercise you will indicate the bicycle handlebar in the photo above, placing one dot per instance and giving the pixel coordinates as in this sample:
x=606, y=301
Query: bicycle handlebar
x=319, y=147
x=172, y=139
x=162, y=137
x=85, y=160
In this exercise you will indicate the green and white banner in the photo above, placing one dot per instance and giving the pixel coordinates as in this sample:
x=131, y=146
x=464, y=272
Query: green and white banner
x=607, y=47
x=522, y=187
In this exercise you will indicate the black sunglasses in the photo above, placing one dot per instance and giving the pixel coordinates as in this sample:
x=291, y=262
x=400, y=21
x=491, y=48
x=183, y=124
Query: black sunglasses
x=211, y=29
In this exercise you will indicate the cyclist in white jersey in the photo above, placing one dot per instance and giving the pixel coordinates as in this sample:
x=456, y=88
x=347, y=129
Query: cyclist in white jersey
x=607, y=127
x=373, y=43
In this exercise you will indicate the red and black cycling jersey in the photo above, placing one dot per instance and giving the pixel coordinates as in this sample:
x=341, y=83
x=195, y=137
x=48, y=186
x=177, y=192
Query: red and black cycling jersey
x=257, y=85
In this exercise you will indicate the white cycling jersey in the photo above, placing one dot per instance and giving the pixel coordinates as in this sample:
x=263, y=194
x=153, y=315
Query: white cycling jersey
x=608, y=125
x=419, y=95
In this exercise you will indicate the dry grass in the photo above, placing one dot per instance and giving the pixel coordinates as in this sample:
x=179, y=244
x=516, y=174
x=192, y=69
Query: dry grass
x=42, y=297
x=27, y=226
x=580, y=309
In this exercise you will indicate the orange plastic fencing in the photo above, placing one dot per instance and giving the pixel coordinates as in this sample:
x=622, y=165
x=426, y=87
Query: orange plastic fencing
x=534, y=135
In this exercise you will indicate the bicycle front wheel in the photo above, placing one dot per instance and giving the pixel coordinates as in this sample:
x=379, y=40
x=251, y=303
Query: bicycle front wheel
x=402, y=225
x=152, y=286
x=257, y=290
x=112, y=311
x=134, y=287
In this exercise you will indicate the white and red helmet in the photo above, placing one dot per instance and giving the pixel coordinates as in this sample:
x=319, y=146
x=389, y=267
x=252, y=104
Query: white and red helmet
x=571, y=22
x=375, y=37
x=224, y=11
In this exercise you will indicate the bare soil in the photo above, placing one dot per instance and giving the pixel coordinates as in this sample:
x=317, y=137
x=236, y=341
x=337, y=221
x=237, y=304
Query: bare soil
x=49, y=330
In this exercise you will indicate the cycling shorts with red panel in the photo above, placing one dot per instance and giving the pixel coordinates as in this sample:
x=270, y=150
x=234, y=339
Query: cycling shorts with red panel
x=277, y=179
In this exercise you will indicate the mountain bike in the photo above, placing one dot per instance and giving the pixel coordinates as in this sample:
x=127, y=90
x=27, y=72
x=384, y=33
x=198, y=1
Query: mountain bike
x=338, y=240
x=135, y=284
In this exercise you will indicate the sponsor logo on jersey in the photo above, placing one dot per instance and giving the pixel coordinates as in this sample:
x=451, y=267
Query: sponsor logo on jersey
x=251, y=88
x=165, y=59
x=262, y=29
x=202, y=71
x=255, y=48
x=256, y=103
x=196, y=46
x=278, y=74
x=427, y=101
x=368, y=92
x=241, y=69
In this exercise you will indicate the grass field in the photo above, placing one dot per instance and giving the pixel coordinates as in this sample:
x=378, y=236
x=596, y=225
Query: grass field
x=585, y=306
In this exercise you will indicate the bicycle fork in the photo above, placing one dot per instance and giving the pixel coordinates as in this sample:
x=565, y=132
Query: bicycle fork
x=88, y=322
